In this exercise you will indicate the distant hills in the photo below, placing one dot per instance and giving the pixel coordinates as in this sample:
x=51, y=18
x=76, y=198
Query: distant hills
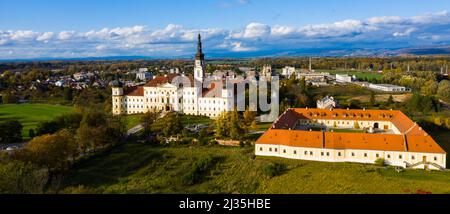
x=318, y=52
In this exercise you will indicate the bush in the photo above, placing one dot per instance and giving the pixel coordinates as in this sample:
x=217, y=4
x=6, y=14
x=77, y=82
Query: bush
x=380, y=162
x=10, y=132
x=274, y=169
x=19, y=177
x=199, y=169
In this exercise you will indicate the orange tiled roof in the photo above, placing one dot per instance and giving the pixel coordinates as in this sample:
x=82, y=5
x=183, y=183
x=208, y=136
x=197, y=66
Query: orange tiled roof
x=134, y=91
x=412, y=139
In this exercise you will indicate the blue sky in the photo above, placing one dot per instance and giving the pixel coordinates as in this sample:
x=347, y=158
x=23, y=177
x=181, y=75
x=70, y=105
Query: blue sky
x=52, y=28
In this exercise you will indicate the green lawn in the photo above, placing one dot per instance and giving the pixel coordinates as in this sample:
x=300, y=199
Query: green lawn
x=194, y=120
x=31, y=114
x=263, y=126
x=137, y=168
x=132, y=120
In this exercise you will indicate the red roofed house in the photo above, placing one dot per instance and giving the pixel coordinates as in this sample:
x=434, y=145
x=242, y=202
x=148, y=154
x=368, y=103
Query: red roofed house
x=361, y=136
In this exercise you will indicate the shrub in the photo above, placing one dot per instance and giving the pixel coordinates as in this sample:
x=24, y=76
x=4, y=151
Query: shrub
x=199, y=169
x=380, y=162
x=274, y=169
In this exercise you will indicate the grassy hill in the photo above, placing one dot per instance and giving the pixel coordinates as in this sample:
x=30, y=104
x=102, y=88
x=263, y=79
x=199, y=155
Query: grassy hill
x=137, y=168
x=31, y=114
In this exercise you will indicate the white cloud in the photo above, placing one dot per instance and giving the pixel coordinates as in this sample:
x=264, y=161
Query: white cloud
x=239, y=47
x=341, y=28
x=174, y=39
x=283, y=30
x=385, y=20
x=45, y=37
x=23, y=35
x=66, y=35
x=253, y=30
x=407, y=32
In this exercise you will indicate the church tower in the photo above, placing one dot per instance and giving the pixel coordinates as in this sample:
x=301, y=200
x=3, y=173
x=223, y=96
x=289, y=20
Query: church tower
x=199, y=69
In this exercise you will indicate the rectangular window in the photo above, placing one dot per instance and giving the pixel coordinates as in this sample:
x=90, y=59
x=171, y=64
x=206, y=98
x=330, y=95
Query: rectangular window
x=311, y=153
x=377, y=155
x=321, y=153
x=388, y=156
x=435, y=158
x=295, y=152
x=365, y=155
x=260, y=148
x=328, y=154
x=339, y=154
x=400, y=157
x=412, y=157
x=270, y=149
x=276, y=150
x=306, y=153
x=353, y=154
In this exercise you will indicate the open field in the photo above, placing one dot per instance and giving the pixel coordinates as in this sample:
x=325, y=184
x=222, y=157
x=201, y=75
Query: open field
x=31, y=114
x=383, y=97
x=137, y=168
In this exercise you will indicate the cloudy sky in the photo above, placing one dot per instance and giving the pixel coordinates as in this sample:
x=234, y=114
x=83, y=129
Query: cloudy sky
x=168, y=28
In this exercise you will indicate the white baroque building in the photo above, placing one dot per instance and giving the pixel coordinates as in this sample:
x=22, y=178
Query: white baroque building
x=171, y=92
x=327, y=102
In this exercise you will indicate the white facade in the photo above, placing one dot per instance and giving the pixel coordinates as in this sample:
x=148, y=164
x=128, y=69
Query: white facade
x=326, y=103
x=393, y=158
x=144, y=76
x=387, y=87
x=343, y=78
x=190, y=99
x=288, y=71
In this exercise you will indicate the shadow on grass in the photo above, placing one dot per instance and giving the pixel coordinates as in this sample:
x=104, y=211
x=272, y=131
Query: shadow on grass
x=109, y=166
x=5, y=117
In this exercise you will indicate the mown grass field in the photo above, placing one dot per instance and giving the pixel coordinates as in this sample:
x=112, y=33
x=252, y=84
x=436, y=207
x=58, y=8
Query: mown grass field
x=137, y=168
x=31, y=114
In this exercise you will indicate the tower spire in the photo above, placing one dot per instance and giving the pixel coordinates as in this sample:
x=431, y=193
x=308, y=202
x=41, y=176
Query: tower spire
x=199, y=55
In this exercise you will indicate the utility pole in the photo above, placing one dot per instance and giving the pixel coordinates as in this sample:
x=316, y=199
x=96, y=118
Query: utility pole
x=310, y=64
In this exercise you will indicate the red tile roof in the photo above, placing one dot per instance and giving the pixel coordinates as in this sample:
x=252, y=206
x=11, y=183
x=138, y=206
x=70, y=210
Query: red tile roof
x=412, y=139
x=160, y=80
x=134, y=91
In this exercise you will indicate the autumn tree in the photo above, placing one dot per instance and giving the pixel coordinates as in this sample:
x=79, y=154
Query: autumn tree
x=18, y=177
x=372, y=99
x=221, y=125
x=249, y=117
x=52, y=152
x=171, y=124
x=91, y=133
x=148, y=119
x=237, y=129
x=443, y=91
x=429, y=88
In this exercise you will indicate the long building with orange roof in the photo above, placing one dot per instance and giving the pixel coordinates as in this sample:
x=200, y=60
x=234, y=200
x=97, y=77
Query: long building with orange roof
x=344, y=135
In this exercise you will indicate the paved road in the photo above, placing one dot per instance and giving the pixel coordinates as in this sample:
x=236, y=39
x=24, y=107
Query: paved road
x=135, y=129
x=12, y=145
